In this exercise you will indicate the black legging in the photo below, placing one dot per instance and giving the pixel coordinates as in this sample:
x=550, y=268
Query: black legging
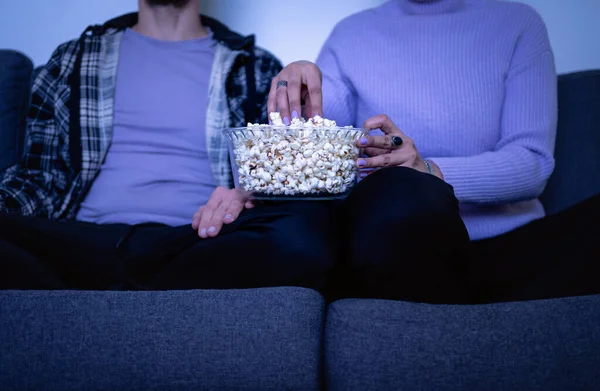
x=403, y=240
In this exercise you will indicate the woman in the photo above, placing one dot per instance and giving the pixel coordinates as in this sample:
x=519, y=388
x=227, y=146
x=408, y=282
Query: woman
x=473, y=83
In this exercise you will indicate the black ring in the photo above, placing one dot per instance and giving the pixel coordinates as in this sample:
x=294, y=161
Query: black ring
x=396, y=141
x=281, y=83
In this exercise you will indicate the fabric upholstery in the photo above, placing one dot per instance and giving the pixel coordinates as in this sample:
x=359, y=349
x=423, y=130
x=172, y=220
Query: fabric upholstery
x=386, y=345
x=577, y=172
x=15, y=85
x=261, y=339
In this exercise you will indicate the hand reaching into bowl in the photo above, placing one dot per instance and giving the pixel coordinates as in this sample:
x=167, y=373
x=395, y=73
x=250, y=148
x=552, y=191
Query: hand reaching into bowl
x=302, y=81
x=297, y=82
x=392, y=149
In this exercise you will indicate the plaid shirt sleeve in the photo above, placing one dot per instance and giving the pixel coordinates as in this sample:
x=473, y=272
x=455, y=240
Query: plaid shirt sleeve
x=35, y=186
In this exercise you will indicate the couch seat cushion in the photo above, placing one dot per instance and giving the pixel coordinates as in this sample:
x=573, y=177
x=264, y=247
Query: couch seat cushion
x=258, y=339
x=387, y=345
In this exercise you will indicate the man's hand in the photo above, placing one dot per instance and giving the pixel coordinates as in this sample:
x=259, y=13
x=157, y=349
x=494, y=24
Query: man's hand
x=300, y=80
x=223, y=207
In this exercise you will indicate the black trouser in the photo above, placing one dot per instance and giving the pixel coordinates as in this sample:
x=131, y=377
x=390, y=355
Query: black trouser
x=269, y=245
x=399, y=236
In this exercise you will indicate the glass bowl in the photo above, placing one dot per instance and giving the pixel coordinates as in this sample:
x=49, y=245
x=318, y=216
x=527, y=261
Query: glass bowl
x=287, y=163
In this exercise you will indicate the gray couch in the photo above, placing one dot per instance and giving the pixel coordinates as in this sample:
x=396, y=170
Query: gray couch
x=287, y=338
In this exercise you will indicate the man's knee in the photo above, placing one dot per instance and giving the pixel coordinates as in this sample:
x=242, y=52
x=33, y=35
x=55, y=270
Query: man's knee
x=402, y=201
x=21, y=270
x=302, y=246
x=403, y=233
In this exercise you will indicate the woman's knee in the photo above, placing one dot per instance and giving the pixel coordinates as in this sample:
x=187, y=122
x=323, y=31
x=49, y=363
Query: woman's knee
x=404, y=236
x=400, y=200
x=401, y=188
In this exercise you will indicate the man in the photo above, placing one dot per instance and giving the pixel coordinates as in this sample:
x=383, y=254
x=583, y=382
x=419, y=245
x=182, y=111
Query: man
x=126, y=181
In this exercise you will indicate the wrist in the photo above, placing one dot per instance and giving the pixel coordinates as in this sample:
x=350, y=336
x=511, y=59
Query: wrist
x=435, y=169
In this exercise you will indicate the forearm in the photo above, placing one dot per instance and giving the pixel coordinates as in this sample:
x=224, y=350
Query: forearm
x=509, y=175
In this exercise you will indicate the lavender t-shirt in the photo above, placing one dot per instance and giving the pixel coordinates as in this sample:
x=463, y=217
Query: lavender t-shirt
x=157, y=167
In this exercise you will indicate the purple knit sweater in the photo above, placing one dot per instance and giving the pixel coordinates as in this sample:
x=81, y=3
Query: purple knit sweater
x=473, y=82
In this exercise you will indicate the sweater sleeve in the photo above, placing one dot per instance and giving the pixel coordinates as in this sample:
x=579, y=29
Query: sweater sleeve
x=520, y=165
x=339, y=97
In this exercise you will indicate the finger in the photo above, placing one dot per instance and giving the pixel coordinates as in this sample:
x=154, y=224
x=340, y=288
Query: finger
x=250, y=204
x=371, y=152
x=283, y=104
x=229, y=209
x=380, y=142
x=217, y=198
x=307, y=110
x=294, y=97
x=196, y=218
x=384, y=123
x=233, y=211
x=206, y=220
x=363, y=173
x=385, y=160
x=215, y=223
x=272, y=101
x=314, y=83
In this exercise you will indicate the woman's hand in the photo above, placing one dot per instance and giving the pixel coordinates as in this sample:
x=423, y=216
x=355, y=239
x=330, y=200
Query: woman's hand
x=223, y=207
x=392, y=149
x=300, y=80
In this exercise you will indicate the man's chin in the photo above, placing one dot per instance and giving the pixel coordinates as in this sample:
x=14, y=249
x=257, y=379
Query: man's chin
x=167, y=3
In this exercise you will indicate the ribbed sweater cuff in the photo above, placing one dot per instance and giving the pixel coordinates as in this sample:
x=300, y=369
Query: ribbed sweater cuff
x=480, y=181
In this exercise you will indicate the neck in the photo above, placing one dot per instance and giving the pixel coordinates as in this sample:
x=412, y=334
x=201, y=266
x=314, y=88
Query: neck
x=428, y=7
x=169, y=23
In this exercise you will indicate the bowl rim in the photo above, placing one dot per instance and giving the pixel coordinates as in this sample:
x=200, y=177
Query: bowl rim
x=230, y=130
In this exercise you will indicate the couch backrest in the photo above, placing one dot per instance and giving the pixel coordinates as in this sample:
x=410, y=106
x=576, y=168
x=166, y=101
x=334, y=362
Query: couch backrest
x=15, y=86
x=577, y=173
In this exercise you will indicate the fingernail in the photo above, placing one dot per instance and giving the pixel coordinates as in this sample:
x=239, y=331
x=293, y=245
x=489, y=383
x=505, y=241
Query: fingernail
x=362, y=163
x=228, y=217
x=286, y=121
x=212, y=230
x=203, y=232
x=363, y=141
x=294, y=114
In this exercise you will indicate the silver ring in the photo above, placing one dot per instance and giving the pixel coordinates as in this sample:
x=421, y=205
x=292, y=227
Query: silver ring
x=281, y=83
x=396, y=141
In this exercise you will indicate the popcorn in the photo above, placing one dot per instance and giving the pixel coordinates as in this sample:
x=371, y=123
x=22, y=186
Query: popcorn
x=309, y=157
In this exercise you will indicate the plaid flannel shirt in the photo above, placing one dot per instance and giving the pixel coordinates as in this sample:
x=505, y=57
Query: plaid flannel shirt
x=50, y=182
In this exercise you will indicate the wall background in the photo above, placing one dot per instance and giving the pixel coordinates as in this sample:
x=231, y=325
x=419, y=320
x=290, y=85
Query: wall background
x=36, y=27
